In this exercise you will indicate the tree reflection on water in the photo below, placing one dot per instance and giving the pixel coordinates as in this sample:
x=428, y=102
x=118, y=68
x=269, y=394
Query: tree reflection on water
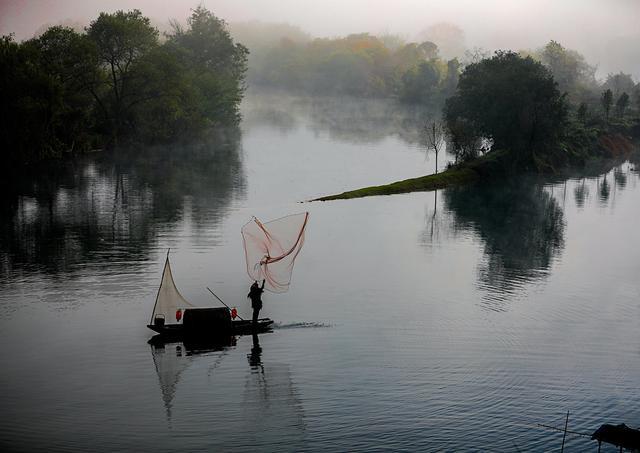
x=521, y=226
x=116, y=203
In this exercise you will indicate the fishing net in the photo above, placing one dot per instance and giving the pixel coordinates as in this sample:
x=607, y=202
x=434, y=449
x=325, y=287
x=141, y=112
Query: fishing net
x=271, y=249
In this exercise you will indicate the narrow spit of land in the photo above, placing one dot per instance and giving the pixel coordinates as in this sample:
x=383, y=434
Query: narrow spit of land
x=453, y=176
x=493, y=165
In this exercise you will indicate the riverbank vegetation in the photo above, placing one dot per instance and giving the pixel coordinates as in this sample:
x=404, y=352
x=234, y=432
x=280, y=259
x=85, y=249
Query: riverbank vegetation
x=119, y=80
x=65, y=92
x=454, y=176
x=361, y=65
x=544, y=109
x=513, y=103
x=508, y=116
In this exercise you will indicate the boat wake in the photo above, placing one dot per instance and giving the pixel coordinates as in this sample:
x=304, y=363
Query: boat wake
x=300, y=325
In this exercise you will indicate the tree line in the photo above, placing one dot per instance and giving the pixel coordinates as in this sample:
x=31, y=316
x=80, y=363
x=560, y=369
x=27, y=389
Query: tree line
x=119, y=80
x=359, y=65
x=365, y=65
x=544, y=111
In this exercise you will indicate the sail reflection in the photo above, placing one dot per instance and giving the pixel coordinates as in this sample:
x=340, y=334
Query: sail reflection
x=171, y=358
x=265, y=414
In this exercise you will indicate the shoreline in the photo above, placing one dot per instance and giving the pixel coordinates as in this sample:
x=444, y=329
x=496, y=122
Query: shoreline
x=456, y=175
x=486, y=166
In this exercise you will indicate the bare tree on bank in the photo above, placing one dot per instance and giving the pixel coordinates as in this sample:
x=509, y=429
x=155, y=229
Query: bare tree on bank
x=434, y=135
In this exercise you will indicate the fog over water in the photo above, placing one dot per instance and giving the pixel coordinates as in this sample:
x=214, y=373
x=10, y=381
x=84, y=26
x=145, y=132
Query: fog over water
x=454, y=320
x=605, y=31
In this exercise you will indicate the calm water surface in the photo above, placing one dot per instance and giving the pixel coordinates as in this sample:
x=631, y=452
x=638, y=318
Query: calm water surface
x=448, y=321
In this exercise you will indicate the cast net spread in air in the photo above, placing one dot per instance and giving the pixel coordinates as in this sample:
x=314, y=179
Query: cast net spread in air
x=271, y=249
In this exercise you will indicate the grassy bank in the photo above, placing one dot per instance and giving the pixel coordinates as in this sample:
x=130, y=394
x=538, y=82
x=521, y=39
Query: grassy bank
x=453, y=176
x=608, y=150
x=447, y=178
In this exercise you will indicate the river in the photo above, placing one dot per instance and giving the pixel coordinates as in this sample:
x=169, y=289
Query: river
x=454, y=320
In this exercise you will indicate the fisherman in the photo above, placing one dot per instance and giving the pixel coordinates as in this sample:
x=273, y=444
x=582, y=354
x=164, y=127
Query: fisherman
x=255, y=294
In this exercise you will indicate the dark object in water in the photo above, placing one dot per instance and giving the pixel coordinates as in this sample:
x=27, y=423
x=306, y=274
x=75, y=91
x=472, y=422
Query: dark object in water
x=200, y=323
x=208, y=322
x=619, y=435
x=202, y=320
x=193, y=345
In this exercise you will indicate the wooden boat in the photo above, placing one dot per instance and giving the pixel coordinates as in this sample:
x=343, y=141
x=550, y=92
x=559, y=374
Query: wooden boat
x=239, y=327
x=194, y=322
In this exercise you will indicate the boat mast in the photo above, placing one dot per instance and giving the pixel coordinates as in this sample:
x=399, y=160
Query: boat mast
x=161, y=280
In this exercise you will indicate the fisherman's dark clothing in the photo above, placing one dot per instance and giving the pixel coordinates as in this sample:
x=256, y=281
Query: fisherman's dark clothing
x=255, y=294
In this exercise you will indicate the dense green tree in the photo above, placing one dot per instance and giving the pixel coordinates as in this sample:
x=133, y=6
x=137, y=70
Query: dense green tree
x=621, y=104
x=569, y=68
x=452, y=77
x=210, y=45
x=165, y=104
x=71, y=61
x=28, y=107
x=406, y=59
x=358, y=65
x=420, y=83
x=510, y=101
x=582, y=113
x=428, y=50
x=65, y=91
x=343, y=72
x=464, y=139
x=216, y=64
x=619, y=83
x=607, y=101
x=408, y=55
x=284, y=65
x=392, y=42
x=121, y=40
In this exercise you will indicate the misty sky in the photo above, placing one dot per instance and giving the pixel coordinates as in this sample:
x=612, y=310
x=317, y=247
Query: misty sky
x=607, y=32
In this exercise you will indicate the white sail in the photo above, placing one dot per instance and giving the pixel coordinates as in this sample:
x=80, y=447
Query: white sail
x=169, y=299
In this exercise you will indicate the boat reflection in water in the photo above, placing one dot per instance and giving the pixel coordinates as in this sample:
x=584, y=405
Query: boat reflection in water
x=265, y=413
x=172, y=357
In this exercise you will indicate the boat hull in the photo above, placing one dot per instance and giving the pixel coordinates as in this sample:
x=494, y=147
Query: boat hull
x=237, y=328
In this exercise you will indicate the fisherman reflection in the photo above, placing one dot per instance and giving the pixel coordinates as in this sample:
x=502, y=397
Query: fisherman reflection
x=255, y=357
